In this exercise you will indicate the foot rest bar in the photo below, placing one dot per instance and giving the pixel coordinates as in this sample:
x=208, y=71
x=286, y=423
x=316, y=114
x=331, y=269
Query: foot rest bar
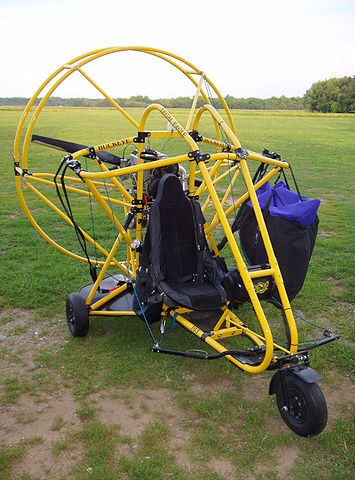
x=201, y=355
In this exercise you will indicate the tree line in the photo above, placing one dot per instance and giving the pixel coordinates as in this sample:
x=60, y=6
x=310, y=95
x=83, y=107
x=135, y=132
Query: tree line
x=273, y=103
x=336, y=95
x=333, y=95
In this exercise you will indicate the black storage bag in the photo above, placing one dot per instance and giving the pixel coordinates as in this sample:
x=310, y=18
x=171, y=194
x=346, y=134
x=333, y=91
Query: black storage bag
x=292, y=224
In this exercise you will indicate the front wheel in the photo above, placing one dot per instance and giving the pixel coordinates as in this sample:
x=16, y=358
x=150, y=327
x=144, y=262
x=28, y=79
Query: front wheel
x=77, y=315
x=305, y=410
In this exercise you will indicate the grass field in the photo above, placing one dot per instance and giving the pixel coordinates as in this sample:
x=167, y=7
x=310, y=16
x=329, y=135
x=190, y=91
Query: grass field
x=104, y=407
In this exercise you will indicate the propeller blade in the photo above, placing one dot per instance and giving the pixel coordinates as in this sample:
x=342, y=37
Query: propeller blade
x=72, y=147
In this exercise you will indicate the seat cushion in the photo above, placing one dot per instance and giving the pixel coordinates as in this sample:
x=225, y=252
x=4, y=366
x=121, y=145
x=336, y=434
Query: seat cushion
x=194, y=295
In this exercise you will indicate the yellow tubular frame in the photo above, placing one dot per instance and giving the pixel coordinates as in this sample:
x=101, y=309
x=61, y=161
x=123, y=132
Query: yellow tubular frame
x=229, y=159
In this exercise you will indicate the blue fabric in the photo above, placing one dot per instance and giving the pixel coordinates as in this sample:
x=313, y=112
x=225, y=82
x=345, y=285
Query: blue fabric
x=287, y=204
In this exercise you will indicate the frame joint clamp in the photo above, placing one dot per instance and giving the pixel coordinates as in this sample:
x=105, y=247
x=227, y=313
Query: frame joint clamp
x=140, y=138
x=138, y=205
x=17, y=169
x=198, y=156
x=195, y=135
x=20, y=172
x=74, y=165
x=93, y=155
x=241, y=153
x=272, y=155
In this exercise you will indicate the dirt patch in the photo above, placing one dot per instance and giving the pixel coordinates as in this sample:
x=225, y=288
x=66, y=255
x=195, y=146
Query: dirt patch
x=37, y=419
x=338, y=395
x=212, y=390
x=34, y=417
x=41, y=464
x=38, y=422
x=286, y=459
x=223, y=467
x=132, y=410
x=336, y=286
x=23, y=335
x=42, y=418
x=256, y=387
x=326, y=234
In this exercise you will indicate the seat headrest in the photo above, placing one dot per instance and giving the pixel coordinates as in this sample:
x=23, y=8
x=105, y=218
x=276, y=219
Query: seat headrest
x=170, y=190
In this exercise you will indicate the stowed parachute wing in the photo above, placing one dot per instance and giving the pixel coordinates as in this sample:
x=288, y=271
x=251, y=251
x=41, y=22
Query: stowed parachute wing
x=292, y=224
x=284, y=203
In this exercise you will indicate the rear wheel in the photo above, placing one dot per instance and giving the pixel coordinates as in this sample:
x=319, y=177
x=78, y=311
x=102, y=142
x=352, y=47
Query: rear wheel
x=305, y=411
x=77, y=315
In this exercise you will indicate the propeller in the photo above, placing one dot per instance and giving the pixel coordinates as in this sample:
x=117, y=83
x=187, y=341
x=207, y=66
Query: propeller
x=71, y=147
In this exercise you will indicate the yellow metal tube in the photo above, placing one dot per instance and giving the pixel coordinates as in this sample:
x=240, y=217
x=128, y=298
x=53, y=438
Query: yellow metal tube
x=220, y=348
x=111, y=100
x=64, y=217
x=271, y=256
x=194, y=103
x=171, y=119
x=94, y=191
x=102, y=274
x=244, y=274
x=243, y=198
x=134, y=168
x=221, y=123
x=113, y=313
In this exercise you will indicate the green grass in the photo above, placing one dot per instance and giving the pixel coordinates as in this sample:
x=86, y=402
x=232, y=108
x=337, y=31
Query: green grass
x=223, y=412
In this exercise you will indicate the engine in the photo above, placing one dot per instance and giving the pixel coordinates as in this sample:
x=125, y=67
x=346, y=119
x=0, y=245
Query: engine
x=151, y=177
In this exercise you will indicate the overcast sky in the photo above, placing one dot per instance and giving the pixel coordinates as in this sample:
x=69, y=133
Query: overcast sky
x=257, y=48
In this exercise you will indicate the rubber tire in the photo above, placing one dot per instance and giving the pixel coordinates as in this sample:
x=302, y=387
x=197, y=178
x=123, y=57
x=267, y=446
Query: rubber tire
x=77, y=315
x=308, y=413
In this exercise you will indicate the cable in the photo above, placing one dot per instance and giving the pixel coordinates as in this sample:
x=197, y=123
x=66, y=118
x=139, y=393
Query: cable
x=68, y=210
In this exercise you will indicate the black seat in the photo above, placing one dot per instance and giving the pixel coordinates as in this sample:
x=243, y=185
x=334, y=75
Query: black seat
x=176, y=251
